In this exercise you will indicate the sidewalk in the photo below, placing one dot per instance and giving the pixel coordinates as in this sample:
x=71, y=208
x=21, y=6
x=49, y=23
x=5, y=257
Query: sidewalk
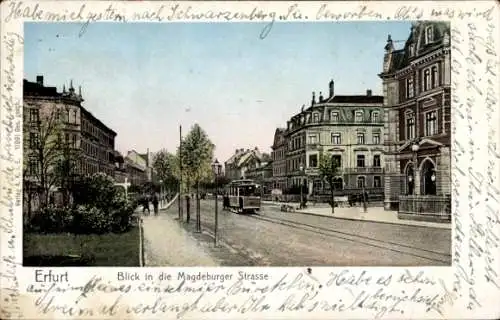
x=373, y=214
x=167, y=244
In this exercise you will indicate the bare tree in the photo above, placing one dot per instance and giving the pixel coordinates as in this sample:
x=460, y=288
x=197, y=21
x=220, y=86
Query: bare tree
x=49, y=158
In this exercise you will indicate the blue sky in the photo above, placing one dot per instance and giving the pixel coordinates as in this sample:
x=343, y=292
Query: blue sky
x=141, y=79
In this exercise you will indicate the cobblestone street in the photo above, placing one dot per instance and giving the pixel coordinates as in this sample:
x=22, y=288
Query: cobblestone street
x=274, y=238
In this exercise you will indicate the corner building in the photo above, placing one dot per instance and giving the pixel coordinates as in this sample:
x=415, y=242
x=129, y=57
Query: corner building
x=346, y=127
x=417, y=131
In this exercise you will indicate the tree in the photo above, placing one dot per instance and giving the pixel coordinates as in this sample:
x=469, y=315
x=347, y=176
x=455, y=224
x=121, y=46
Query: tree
x=196, y=153
x=49, y=159
x=165, y=164
x=328, y=170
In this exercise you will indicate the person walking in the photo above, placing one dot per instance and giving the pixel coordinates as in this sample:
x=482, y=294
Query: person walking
x=145, y=204
x=155, y=203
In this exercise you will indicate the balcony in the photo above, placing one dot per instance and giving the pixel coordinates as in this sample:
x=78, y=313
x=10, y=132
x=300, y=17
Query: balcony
x=364, y=170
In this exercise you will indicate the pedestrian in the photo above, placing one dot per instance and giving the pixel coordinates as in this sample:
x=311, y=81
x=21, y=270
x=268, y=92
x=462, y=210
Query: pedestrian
x=155, y=203
x=145, y=204
x=365, y=200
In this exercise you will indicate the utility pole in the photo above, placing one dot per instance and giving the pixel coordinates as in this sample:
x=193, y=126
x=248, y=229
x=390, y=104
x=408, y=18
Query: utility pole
x=179, y=199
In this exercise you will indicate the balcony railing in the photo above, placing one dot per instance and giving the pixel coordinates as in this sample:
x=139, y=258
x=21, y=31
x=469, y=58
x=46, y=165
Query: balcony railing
x=360, y=170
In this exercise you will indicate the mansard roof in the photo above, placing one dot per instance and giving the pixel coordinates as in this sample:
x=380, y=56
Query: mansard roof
x=402, y=58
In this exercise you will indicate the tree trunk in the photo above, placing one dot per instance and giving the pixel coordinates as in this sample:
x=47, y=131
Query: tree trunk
x=198, y=216
x=333, y=198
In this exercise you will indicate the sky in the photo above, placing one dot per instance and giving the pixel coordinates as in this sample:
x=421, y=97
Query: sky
x=143, y=80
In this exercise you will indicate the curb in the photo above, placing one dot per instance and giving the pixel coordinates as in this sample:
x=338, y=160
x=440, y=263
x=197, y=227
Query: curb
x=373, y=221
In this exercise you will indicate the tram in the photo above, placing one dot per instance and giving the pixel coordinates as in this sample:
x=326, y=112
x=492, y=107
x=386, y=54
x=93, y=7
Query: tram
x=244, y=196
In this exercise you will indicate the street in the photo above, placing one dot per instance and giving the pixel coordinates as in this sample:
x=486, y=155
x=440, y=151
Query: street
x=278, y=238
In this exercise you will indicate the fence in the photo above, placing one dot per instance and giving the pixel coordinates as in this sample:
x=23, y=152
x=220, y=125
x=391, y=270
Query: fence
x=430, y=208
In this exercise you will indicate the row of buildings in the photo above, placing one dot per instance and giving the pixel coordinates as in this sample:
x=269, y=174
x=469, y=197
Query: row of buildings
x=57, y=126
x=396, y=145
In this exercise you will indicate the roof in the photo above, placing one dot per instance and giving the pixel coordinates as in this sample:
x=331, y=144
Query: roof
x=354, y=99
x=401, y=58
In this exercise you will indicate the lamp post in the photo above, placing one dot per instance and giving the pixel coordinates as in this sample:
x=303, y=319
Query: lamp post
x=414, y=149
x=216, y=168
x=301, y=168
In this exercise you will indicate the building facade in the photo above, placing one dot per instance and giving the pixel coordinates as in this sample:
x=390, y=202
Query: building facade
x=136, y=167
x=50, y=115
x=278, y=156
x=237, y=165
x=416, y=84
x=345, y=127
x=260, y=170
x=61, y=142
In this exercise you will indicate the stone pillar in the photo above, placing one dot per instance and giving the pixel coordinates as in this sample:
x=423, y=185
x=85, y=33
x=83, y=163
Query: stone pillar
x=443, y=174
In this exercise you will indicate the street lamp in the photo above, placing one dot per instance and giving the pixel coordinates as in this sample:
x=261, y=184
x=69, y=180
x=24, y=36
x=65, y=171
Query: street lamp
x=301, y=168
x=414, y=149
x=216, y=168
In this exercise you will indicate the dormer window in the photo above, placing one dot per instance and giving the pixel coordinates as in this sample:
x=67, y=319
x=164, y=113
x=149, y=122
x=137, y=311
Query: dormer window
x=429, y=35
x=334, y=116
x=358, y=116
x=412, y=50
x=315, y=117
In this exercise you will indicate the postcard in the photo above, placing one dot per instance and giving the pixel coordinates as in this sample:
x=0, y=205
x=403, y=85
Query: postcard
x=249, y=160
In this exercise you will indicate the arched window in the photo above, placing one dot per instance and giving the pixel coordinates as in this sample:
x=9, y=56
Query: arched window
x=427, y=79
x=435, y=77
x=361, y=182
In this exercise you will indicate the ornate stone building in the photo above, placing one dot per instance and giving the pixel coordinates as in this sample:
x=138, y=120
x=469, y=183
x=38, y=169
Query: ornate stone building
x=347, y=127
x=416, y=84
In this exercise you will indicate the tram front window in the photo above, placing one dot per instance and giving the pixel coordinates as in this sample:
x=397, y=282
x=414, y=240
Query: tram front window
x=250, y=191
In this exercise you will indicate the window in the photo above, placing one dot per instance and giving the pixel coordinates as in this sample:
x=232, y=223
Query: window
x=69, y=116
x=316, y=117
x=337, y=159
x=313, y=139
x=361, y=182
x=429, y=35
x=359, y=116
x=34, y=115
x=334, y=116
x=376, y=161
x=338, y=184
x=375, y=116
x=313, y=161
x=66, y=138
x=430, y=123
x=74, y=141
x=361, y=138
x=377, y=182
x=33, y=142
x=412, y=50
x=434, y=77
x=427, y=80
x=410, y=127
x=336, y=138
x=360, y=160
x=376, y=138
x=409, y=87
x=32, y=167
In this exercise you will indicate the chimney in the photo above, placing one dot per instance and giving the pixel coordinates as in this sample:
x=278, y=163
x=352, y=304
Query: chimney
x=320, y=96
x=39, y=80
x=369, y=93
x=313, y=101
x=331, y=85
